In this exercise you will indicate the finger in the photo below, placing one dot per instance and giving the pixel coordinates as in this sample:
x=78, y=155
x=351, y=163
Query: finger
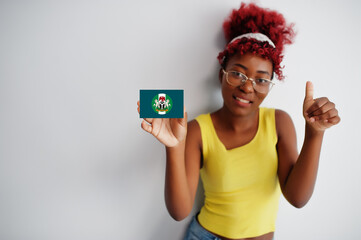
x=323, y=109
x=147, y=127
x=334, y=120
x=183, y=121
x=330, y=122
x=309, y=91
x=138, y=107
x=149, y=120
x=326, y=116
x=326, y=125
x=319, y=102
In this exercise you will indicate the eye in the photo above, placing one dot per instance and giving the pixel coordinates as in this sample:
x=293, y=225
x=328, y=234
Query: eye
x=237, y=75
x=262, y=81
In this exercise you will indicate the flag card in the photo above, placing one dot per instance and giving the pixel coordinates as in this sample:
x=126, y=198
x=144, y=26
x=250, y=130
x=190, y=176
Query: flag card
x=161, y=103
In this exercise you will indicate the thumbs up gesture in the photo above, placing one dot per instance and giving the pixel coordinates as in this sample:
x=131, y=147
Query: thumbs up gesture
x=319, y=113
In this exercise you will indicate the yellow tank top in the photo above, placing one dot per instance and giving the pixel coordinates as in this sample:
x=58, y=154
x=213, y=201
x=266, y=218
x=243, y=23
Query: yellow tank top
x=241, y=184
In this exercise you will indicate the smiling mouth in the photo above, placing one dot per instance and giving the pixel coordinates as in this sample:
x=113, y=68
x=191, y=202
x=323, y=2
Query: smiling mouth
x=242, y=100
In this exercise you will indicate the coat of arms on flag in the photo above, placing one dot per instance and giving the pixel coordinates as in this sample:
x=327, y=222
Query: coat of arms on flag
x=161, y=103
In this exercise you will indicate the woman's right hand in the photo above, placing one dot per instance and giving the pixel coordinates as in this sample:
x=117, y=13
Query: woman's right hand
x=169, y=131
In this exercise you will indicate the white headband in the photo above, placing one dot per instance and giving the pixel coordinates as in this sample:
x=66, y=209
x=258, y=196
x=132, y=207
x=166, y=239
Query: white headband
x=258, y=36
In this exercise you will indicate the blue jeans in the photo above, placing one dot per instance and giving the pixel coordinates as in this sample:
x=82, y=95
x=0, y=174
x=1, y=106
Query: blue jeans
x=196, y=232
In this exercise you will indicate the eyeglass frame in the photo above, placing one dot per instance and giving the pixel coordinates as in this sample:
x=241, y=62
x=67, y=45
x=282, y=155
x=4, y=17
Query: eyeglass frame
x=248, y=78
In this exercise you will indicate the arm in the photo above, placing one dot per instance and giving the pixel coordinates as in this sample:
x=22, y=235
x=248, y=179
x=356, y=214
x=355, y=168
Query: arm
x=183, y=152
x=182, y=173
x=297, y=173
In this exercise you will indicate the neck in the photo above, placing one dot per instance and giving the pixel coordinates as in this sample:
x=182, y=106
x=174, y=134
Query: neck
x=234, y=122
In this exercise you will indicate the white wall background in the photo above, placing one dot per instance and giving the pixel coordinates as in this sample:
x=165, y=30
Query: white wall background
x=74, y=162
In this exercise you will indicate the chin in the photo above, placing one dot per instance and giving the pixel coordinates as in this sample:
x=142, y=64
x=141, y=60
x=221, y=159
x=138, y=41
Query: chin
x=242, y=111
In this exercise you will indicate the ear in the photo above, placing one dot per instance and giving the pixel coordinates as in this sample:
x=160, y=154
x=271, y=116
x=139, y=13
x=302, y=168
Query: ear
x=220, y=75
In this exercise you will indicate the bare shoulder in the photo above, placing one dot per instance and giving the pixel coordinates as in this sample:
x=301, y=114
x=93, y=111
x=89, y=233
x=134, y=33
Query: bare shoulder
x=193, y=124
x=282, y=115
x=193, y=151
x=284, y=122
x=194, y=133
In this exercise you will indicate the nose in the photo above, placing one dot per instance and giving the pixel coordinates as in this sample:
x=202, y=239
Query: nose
x=247, y=87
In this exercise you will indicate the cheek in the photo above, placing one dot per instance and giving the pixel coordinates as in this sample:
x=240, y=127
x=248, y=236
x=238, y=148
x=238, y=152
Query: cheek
x=227, y=91
x=261, y=96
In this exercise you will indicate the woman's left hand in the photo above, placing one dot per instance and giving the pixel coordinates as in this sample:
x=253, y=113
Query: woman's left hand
x=319, y=113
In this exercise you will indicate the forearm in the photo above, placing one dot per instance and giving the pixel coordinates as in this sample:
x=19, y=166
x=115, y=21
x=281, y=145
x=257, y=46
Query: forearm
x=301, y=180
x=177, y=193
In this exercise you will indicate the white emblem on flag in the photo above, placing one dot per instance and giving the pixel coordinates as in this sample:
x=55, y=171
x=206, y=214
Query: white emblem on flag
x=162, y=103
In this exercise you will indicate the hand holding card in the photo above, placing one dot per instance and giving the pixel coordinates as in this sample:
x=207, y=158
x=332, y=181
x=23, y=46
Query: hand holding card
x=164, y=115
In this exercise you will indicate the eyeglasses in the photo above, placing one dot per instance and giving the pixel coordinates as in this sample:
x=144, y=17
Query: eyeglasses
x=238, y=79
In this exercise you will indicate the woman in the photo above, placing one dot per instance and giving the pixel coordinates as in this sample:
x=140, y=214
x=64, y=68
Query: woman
x=246, y=155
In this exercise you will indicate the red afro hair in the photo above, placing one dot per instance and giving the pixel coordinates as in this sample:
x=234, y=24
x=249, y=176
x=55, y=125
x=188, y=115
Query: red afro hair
x=250, y=18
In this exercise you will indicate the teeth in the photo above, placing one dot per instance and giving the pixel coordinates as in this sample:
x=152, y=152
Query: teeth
x=242, y=100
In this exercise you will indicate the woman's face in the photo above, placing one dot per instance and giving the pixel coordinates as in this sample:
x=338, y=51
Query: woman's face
x=244, y=100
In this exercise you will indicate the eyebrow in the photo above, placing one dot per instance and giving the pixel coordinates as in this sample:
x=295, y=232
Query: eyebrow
x=245, y=68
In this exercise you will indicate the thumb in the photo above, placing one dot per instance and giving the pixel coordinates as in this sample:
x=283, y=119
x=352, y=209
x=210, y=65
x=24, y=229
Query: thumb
x=183, y=121
x=309, y=91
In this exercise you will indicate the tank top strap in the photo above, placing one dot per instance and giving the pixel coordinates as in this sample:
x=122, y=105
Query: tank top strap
x=209, y=136
x=267, y=124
